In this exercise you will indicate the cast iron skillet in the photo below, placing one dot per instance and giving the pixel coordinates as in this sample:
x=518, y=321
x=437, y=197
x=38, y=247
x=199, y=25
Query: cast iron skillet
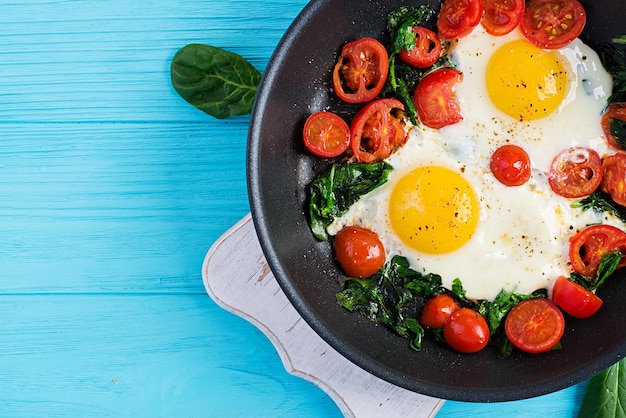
x=297, y=83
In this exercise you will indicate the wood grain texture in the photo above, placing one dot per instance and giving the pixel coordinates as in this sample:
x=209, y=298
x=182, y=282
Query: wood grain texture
x=112, y=189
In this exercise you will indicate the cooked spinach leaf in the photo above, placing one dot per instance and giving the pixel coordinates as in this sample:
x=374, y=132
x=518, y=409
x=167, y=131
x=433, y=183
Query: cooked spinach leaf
x=216, y=81
x=606, y=394
x=618, y=130
x=333, y=192
x=392, y=297
x=601, y=202
x=614, y=61
x=608, y=265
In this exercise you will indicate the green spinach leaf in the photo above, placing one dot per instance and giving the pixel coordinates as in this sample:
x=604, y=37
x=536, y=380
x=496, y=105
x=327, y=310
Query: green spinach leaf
x=606, y=394
x=216, y=81
x=618, y=130
x=333, y=192
x=601, y=202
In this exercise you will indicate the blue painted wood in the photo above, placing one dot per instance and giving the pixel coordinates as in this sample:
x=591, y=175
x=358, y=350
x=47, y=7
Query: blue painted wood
x=112, y=189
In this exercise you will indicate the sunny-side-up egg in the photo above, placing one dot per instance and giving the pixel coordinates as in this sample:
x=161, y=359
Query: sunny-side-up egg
x=443, y=209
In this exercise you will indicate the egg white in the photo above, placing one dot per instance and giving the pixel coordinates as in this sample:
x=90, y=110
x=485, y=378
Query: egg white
x=521, y=241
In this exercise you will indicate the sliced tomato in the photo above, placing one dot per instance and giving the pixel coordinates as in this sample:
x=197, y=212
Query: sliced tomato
x=359, y=251
x=614, y=115
x=510, y=165
x=435, y=100
x=326, y=134
x=502, y=16
x=361, y=71
x=614, y=177
x=466, y=331
x=575, y=299
x=425, y=51
x=377, y=130
x=588, y=246
x=553, y=23
x=575, y=172
x=534, y=325
x=457, y=18
x=437, y=310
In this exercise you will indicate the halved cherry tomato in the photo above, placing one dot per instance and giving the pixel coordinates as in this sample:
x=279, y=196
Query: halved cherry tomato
x=613, y=111
x=437, y=310
x=466, y=331
x=588, y=246
x=502, y=16
x=457, y=18
x=575, y=299
x=376, y=130
x=359, y=251
x=435, y=100
x=614, y=178
x=326, y=134
x=510, y=165
x=534, y=325
x=553, y=23
x=361, y=71
x=426, y=50
x=575, y=172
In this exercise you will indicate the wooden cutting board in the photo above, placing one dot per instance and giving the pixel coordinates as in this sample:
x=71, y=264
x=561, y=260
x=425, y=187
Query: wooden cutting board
x=238, y=278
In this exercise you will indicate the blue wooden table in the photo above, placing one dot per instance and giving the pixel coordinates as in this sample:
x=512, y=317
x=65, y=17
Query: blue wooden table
x=112, y=189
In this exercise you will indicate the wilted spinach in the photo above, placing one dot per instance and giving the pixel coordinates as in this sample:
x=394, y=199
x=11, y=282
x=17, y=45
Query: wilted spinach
x=601, y=202
x=333, y=191
x=216, y=81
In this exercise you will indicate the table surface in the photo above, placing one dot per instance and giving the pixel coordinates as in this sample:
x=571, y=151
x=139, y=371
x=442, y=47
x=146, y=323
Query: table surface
x=112, y=189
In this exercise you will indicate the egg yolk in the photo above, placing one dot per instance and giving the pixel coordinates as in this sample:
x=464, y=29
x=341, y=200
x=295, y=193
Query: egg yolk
x=433, y=210
x=524, y=81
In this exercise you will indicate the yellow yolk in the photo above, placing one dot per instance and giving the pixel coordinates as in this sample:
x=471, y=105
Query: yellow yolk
x=524, y=81
x=433, y=210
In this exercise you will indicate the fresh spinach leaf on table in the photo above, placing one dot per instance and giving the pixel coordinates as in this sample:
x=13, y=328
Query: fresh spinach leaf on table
x=606, y=394
x=216, y=81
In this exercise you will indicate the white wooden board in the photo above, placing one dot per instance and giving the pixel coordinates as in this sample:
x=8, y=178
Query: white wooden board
x=237, y=277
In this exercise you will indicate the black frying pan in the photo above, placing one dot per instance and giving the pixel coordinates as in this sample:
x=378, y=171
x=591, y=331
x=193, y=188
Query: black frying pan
x=297, y=83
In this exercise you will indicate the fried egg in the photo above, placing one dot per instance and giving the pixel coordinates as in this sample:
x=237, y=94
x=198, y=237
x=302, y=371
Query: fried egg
x=443, y=209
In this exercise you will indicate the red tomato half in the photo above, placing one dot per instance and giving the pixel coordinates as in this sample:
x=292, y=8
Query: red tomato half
x=502, y=16
x=510, y=165
x=575, y=299
x=361, y=71
x=575, y=172
x=359, y=251
x=435, y=100
x=326, y=134
x=437, y=310
x=614, y=177
x=376, y=131
x=426, y=50
x=466, y=331
x=553, y=23
x=534, y=325
x=457, y=18
x=614, y=111
x=588, y=246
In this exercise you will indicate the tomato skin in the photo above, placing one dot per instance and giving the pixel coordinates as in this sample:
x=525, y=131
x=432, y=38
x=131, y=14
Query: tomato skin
x=534, y=325
x=426, y=50
x=589, y=245
x=553, y=23
x=376, y=132
x=466, y=331
x=575, y=299
x=614, y=177
x=359, y=251
x=575, y=172
x=613, y=111
x=437, y=310
x=457, y=18
x=510, y=165
x=435, y=100
x=502, y=16
x=361, y=70
x=326, y=134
